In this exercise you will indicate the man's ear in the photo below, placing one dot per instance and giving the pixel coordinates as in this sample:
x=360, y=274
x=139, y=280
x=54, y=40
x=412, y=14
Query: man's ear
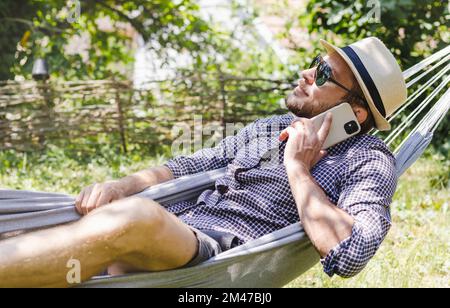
x=361, y=113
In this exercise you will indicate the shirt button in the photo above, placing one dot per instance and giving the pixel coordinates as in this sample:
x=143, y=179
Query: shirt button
x=222, y=189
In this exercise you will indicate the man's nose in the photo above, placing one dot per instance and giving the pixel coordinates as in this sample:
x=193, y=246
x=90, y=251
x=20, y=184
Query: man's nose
x=308, y=75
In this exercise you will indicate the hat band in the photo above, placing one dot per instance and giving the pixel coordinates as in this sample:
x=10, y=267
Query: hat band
x=368, y=81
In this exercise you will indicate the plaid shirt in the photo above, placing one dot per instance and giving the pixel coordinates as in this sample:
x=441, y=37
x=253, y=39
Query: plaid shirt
x=254, y=197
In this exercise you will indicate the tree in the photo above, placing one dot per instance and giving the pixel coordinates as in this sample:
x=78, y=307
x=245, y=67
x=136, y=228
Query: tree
x=413, y=29
x=33, y=29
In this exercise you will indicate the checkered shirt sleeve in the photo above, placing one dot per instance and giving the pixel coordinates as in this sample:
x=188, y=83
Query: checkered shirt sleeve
x=367, y=187
x=212, y=158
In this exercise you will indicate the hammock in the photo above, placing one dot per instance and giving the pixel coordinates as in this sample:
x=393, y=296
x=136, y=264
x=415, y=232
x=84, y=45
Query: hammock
x=272, y=260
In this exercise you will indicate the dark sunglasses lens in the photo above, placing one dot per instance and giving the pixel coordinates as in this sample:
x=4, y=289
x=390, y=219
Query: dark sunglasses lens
x=315, y=62
x=322, y=75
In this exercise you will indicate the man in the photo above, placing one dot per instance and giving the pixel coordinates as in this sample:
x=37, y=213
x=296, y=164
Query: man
x=341, y=196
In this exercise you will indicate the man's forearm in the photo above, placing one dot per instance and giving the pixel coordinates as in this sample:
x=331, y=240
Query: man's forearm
x=139, y=181
x=325, y=224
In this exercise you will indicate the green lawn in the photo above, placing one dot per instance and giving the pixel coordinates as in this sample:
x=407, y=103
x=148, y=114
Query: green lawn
x=416, y=252
x=57, y=172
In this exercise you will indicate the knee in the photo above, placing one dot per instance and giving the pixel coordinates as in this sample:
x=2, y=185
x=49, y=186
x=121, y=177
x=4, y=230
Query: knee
x=136, y=213
x=123, y=223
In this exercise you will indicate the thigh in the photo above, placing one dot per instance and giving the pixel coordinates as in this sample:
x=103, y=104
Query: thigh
x=160, y=243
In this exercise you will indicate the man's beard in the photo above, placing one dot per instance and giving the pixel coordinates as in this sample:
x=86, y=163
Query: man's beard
x=298, y=108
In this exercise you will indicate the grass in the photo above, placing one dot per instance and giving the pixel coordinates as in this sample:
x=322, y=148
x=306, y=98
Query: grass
x=55, y=171
x=416, y=252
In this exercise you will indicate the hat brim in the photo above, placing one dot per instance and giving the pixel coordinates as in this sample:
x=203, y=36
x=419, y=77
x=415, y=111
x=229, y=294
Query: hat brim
x=380, y=122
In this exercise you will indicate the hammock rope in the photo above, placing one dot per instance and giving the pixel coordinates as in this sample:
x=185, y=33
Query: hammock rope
x=433, y=117
x=407, y=122
x=445, y=55
x=427, y=61
x=415, y=80
x=412, y=98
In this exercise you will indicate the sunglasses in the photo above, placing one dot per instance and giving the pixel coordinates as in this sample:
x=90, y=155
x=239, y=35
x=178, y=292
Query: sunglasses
x=323, y=74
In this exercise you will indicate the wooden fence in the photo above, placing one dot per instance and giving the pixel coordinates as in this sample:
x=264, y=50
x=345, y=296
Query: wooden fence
x=83, y=114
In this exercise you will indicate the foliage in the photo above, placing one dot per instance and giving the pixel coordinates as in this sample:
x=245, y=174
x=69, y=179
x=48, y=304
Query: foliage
x=413, y=29
x=213, y=81
x=10, y=34
x=99, y=44
x=43, y=29
x=416, y=250
x=58, y=170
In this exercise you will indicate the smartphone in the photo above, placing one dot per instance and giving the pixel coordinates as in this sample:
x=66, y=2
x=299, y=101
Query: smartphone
x=343, y=126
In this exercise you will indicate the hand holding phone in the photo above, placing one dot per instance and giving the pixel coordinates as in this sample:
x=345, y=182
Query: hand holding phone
x=343, y=126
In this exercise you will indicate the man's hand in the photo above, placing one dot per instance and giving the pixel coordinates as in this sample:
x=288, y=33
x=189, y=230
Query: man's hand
x=304, y=146
x=325, y=224
x=97, y=195
x=100, y=194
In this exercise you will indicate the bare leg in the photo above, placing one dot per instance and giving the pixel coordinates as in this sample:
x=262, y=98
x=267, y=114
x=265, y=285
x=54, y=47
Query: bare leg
x=133, y=231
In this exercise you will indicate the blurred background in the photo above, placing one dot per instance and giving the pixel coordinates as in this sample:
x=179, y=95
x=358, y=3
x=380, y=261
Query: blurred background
x=90, y=91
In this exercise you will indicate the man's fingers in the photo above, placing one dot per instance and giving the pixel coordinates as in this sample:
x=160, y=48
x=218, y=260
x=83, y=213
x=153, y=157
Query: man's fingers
x=309, y=127
x=322, y=154
x=90, y=205
x=284, y=134
x=297, y=123
x=325, y=128
x=86, y=196
x=103, y=199
x=291, y=131
x=78, y=202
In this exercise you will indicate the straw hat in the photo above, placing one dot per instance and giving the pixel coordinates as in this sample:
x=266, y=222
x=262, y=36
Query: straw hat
x=378, y=74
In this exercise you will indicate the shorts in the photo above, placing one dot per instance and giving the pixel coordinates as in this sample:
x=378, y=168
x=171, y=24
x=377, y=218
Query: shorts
x=210, y=244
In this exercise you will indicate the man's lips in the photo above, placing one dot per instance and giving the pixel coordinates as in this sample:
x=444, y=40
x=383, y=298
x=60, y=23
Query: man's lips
x=299, y=91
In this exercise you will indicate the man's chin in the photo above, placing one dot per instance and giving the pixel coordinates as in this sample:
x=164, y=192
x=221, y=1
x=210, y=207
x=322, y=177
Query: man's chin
x=297, y=106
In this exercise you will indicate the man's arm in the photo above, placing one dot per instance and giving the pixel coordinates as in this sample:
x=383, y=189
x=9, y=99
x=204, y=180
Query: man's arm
x=207, y=159
x=212, y=158
x=345, y=242
x=100, y=194
x=367, y=186
x=325, y=224
x=348, y=239
x=139, y=181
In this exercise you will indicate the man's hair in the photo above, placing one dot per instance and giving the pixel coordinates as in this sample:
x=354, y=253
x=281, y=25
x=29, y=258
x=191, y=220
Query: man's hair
x=354, y=100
